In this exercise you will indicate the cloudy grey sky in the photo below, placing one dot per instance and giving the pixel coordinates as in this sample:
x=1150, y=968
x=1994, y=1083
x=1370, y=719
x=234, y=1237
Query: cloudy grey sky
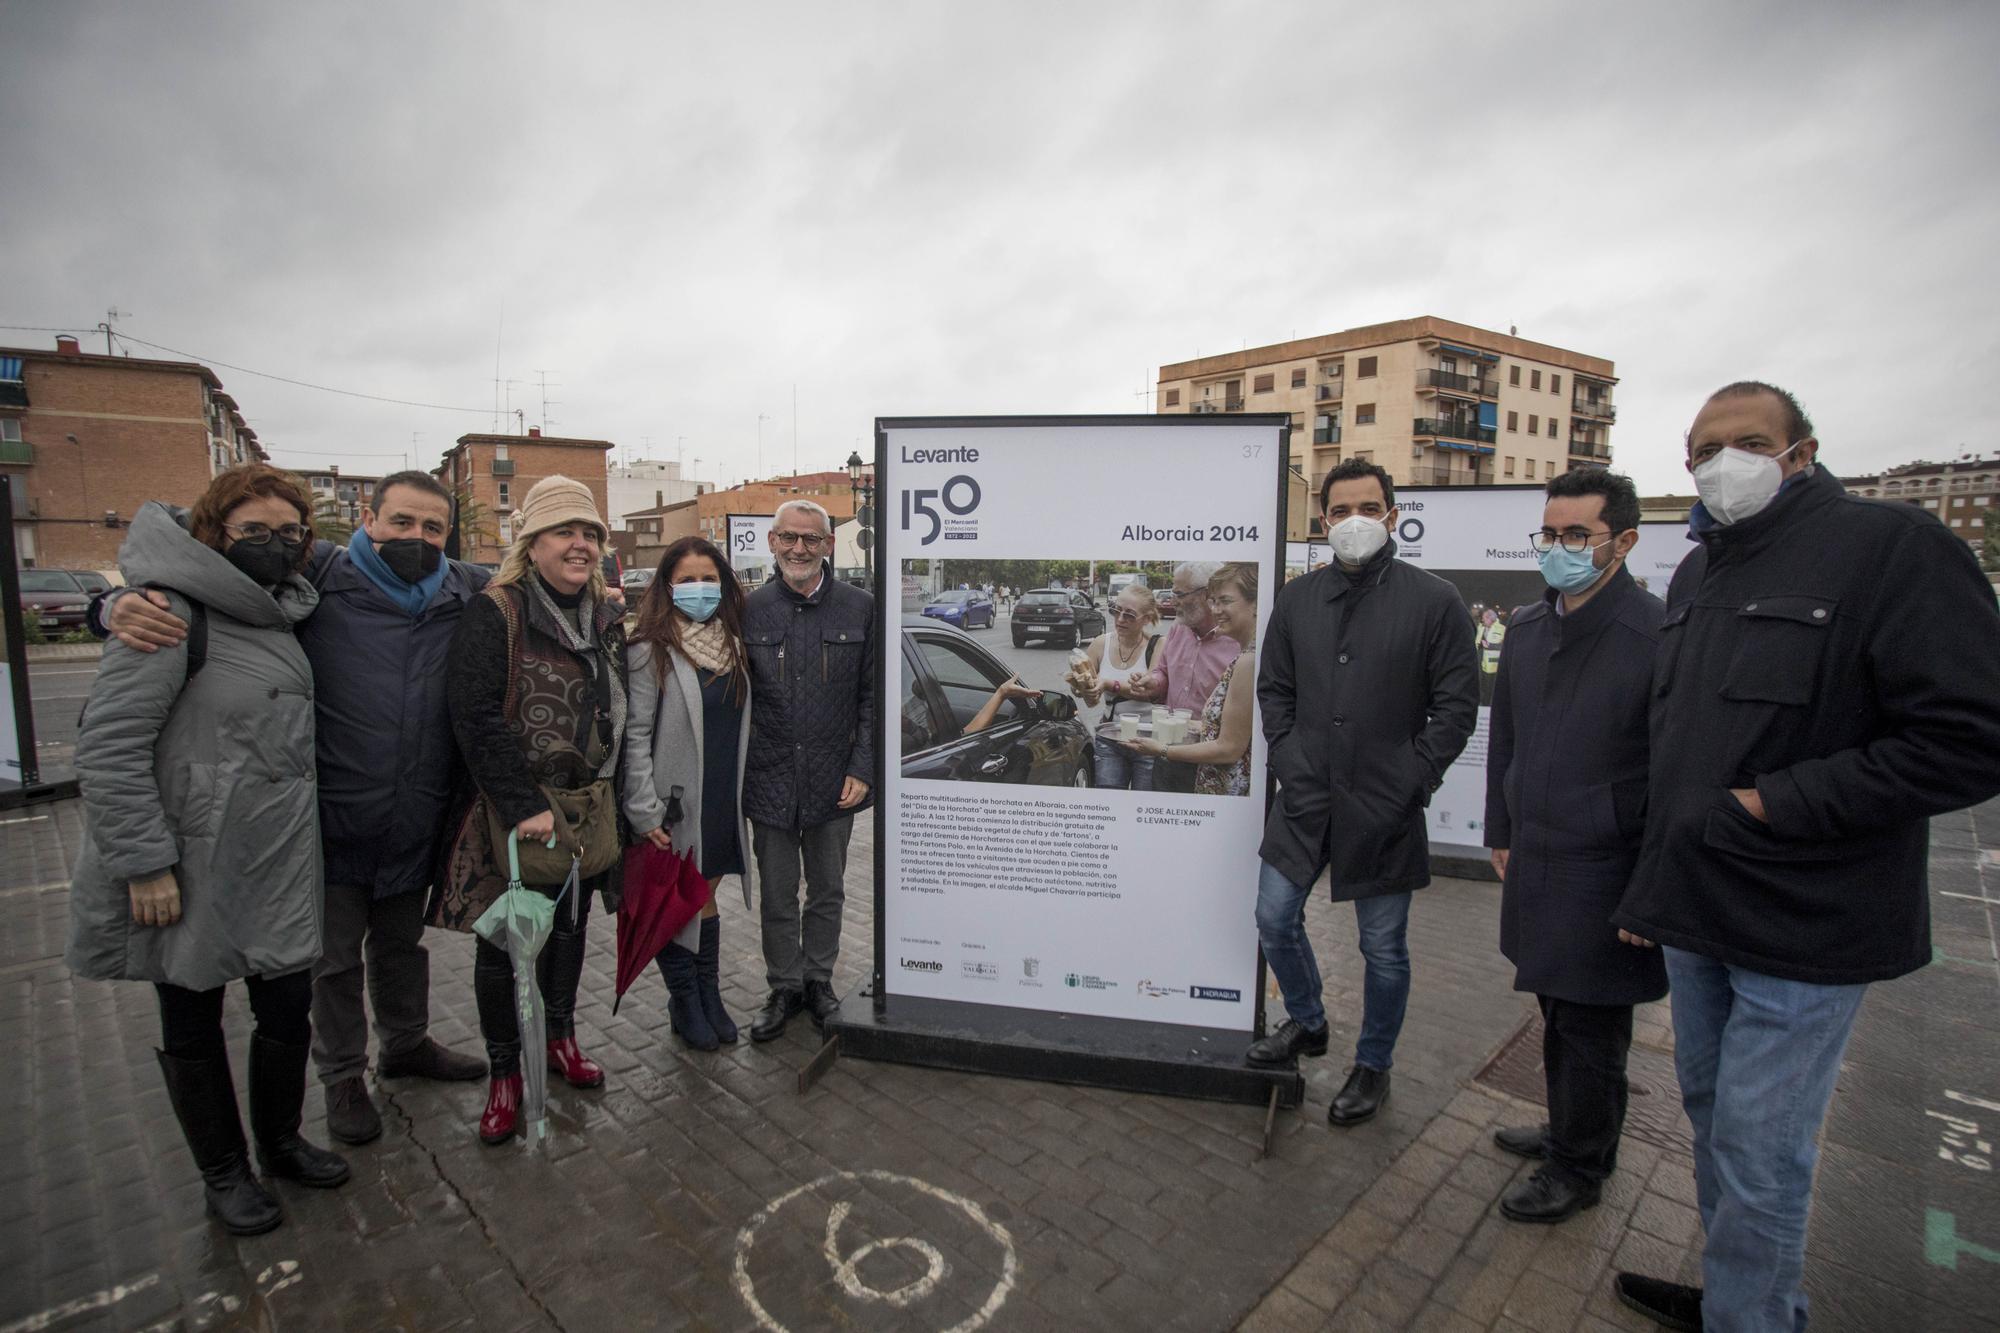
x=681, y=211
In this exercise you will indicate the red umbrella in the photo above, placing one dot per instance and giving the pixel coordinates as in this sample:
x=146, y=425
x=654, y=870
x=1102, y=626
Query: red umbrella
x=663, y=891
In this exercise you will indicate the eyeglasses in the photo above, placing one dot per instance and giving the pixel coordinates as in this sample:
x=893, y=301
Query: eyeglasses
x=1576, y=543
x=812, y=541
x=256, y=534
x=1124, y=613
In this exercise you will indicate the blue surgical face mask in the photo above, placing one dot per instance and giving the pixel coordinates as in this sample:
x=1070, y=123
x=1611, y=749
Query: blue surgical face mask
x=697, y=601
x=1569, y=571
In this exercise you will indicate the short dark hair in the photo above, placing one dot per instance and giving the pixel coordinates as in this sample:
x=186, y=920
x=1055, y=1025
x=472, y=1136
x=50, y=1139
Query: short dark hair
x=1621, y=497
x=1798, y=425
x=422, y=481
x=1354, y=469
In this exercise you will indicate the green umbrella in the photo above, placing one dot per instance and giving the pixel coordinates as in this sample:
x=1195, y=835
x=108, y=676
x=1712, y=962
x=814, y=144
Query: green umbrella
x=520, y=921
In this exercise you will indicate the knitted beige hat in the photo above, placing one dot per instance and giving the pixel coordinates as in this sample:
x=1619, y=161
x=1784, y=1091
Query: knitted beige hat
x=554, y=501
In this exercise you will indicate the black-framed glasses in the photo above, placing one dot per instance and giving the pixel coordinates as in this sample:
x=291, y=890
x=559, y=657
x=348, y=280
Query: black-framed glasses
x=812, y=541
x=256, y=534
x=1576, y=543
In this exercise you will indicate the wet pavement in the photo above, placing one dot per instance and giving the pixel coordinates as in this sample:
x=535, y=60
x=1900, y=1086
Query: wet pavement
x=703, y=1191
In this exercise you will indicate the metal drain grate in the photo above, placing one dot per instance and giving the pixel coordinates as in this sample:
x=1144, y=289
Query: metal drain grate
x=1653, y=1114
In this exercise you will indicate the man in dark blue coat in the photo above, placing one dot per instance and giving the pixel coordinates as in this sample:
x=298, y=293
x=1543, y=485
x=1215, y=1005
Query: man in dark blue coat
x=1565, y=810
x=389, y=605
x=1828, y=679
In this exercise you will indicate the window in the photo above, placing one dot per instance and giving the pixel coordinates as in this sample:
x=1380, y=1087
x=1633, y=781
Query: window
x=505, y=495
x=1364, y=369
x=1552, y=428
x=10, y=369
x=1555, y=384
x=1930, y=504
x=1298, y=377
x=1958, y=523
x=1514, y=421
x=1531, y=469
x=1510, y=465
x=1979, y=501
x=1262, y=384
x=1173, y=398
x=1514, y=376
x=1416, y=451
x=964, y=682
x=1534, y=424
x=1535, y=380
x=1364, y=415
x=10, y=430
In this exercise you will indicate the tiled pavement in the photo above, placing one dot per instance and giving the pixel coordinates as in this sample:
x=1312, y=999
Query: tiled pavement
x=1033, y=1205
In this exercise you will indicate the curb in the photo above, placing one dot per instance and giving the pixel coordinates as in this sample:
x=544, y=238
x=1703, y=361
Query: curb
x=64, y=652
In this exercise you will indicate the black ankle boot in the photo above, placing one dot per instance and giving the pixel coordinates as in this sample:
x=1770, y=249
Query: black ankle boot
x=708, y=981
x=684, y=1008
x=277, y=1099
x=204, y=1099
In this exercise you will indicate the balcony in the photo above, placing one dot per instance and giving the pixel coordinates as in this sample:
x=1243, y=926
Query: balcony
x=1425, y=476
x=16, y=451
x=1327, y=435
x=1232, y=404
x=1204, y=409
x=1452, y=382
x=1452, y=429
x=1330, y=390
x=1600, y=410
x=503, y=467
x=1590, y=449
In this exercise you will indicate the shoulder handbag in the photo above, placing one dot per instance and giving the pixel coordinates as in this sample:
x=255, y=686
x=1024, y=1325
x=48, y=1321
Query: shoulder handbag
x=586, y=817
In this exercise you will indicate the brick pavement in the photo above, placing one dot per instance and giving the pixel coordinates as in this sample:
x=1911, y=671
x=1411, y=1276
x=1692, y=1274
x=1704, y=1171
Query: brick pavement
x=1117, y=1211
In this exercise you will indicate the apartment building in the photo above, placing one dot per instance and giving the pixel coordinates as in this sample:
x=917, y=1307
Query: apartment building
x=89, y=437
x=1435, y=402
x=345, y=494
x=1962, y=493
x=496, y=472
x=645, y=483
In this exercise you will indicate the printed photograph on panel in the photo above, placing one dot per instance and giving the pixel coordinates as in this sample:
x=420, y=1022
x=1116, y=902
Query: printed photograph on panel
x=1080, y=673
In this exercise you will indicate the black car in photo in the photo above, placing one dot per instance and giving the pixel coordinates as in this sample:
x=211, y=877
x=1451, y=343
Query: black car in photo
x=1058, y=615
x=947, y=680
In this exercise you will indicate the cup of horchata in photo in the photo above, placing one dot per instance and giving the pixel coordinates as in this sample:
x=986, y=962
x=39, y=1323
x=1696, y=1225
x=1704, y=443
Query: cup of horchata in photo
x=1128, y=726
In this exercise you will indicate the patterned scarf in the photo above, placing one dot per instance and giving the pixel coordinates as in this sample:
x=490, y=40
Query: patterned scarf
x=575, y=629
x=707, y=644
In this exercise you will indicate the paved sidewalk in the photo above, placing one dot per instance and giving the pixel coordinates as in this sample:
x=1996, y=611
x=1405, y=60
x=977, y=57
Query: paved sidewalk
x=701, y=1191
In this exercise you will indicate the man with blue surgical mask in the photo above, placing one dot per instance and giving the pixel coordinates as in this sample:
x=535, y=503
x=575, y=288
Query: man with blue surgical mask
x=1828, y=679
x=1565, y=811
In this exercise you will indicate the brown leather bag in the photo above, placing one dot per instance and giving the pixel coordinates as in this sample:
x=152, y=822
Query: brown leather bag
x=586, y=829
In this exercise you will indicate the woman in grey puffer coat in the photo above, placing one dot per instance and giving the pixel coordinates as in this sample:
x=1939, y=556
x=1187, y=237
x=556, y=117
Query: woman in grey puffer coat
x=201, y=857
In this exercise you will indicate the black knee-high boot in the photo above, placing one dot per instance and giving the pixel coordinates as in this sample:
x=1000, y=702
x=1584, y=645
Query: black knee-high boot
x=708, y=980
x=277, y=1102
x=684, y=1007
x=204, y=1099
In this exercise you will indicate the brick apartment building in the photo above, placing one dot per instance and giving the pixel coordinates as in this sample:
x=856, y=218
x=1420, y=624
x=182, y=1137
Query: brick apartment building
x=830, y=490
x=1435, y=402
x=88, y=438
x=1962, y=494
x=344, y=494
x=498, y=471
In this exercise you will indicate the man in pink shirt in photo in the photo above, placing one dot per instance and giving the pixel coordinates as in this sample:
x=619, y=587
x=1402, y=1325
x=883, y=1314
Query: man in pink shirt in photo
x=1191, y=660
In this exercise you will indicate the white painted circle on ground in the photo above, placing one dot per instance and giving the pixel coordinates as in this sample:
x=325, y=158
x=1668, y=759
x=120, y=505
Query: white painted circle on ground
x=845, y=1270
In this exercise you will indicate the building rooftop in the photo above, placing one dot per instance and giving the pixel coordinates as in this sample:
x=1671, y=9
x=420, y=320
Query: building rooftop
x=1379, y=335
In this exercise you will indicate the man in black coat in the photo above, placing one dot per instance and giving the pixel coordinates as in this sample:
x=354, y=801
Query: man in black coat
x=1369, y=688
x=811, y=758
x=1828, y=679
x=1565, y=808
x=389, y=605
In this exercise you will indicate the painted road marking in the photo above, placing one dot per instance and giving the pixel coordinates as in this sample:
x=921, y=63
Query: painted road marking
x=1943, y=1244
x=845, y=1271
x=97, y=1300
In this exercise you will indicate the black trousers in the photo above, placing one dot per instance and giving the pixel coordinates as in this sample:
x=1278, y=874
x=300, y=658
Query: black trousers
x=557, y=971
x=1583, y=1050
x=191, y=1020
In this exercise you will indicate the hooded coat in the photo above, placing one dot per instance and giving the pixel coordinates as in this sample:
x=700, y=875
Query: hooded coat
x=212, y=778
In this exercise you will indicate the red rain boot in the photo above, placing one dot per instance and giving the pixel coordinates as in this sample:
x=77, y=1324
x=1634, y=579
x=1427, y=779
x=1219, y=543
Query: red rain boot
x=578, y=1070
x=503, y=1109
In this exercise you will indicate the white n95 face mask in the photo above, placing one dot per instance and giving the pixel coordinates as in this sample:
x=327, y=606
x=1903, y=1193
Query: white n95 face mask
x=1737, y=484
x=1356, y=540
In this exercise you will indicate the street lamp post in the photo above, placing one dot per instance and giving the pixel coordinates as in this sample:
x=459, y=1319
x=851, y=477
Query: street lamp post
x=864, y=514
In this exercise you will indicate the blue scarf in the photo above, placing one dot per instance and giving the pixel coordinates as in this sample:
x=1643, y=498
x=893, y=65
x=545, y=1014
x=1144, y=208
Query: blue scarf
x=412, y=597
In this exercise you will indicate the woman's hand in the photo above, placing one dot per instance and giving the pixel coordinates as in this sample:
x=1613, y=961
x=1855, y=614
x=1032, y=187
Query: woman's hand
x=539, y=828
x=660, y=838
x=1146, y=745
x=156, y=901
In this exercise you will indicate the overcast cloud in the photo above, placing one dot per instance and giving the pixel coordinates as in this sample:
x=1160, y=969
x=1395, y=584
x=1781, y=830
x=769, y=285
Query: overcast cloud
x=681, y=211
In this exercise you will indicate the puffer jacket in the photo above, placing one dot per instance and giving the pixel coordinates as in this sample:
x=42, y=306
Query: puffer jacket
x=812, y=683
x=212, y=778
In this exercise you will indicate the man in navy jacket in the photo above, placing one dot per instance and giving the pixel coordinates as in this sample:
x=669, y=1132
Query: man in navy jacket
x=1828, y=679
x=1565, y=809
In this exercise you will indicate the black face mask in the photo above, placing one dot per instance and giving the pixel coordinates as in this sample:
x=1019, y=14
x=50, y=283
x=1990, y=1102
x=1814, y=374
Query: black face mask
x=411, y=559
x=268, y=564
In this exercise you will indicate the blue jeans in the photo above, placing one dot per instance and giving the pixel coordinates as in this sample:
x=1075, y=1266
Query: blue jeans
x=1120, y=768
x=1757, y=1057
x=1385, y=947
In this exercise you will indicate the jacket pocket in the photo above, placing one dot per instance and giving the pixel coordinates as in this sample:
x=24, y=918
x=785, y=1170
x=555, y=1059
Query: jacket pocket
x=1779, y=642
x=840, y=655
x=1671, y=639
x=1735, y=832
x=766, y=648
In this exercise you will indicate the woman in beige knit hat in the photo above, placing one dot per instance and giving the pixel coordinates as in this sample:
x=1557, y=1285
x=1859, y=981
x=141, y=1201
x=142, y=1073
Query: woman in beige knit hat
x=537, y=689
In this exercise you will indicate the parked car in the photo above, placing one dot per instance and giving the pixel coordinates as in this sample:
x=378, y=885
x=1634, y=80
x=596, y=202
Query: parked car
x=92, y=581
x=635, y=583
x=1063, y=617
x=967, y=608
x=947, y=679
x=1169, y=604
x=55, y=596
